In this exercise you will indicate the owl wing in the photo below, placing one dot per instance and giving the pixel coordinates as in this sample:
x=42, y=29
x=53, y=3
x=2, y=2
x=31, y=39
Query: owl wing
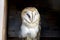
x=38, y=34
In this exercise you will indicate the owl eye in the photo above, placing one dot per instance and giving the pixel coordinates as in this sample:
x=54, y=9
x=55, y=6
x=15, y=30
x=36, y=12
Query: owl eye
x=28, y=15
x=36, y=13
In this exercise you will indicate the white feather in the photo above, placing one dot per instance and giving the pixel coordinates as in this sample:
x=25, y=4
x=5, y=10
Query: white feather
x=25, y=31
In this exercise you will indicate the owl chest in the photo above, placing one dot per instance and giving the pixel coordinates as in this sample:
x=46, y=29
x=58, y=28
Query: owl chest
x=32, y=32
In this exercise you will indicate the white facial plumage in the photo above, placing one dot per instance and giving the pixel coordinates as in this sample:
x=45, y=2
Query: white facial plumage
x=30, y=22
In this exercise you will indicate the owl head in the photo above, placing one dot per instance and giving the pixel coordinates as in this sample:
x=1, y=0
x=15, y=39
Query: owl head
x=30, y=16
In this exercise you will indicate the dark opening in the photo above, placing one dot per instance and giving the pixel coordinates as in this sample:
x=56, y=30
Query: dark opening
x=49, y=11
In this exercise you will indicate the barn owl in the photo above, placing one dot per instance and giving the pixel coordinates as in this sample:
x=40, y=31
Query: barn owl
x=30, y=23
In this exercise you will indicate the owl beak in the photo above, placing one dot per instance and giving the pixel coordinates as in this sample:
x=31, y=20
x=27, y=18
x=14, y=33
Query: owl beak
x=31, y=21
x=32, y=18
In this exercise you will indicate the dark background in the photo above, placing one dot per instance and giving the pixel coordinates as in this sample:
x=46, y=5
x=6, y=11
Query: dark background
x=48, y=9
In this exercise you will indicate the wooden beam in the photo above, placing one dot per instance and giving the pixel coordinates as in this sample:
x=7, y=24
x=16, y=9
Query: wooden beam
x=4, y=21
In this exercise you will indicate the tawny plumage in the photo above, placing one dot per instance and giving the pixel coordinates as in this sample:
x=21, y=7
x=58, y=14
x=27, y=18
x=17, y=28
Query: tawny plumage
x=30, y=23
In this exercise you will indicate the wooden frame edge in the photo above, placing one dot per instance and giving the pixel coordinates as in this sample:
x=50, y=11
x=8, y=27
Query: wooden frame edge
x=4, y=21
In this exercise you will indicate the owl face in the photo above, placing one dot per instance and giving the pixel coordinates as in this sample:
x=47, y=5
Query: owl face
x=30, y=16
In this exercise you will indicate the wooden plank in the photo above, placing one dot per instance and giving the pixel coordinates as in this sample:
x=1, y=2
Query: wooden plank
x=4, y=21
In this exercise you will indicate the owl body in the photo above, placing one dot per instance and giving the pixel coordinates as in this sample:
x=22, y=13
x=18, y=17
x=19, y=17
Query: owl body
x=26, y=31
x=30, y=23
